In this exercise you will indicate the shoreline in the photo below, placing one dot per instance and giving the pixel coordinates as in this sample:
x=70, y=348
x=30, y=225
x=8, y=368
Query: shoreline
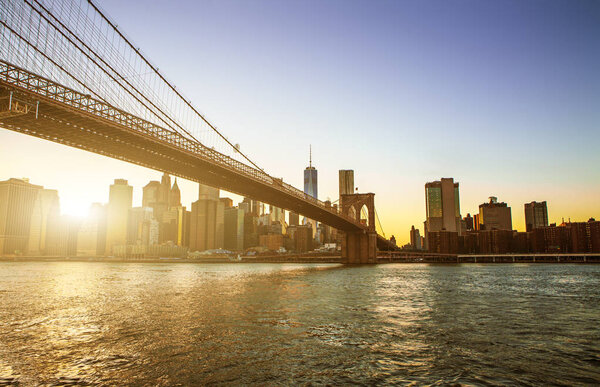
x=451, y=260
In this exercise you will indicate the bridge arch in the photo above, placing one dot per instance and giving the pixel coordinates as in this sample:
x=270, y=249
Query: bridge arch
x=351, y=212
x=363, y=215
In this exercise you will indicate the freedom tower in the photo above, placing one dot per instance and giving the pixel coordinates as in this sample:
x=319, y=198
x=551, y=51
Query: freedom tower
x=310, y=187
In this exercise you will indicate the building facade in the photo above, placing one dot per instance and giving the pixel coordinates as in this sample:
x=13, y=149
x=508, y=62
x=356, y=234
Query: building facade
x=494, y=215
x=536, y=215
x=442, y=207
x=45, y=209
x=234, y=229
x=17, y=200
x=119, y=203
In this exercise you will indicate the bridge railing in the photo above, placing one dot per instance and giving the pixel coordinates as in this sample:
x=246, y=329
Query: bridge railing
x=34, y=83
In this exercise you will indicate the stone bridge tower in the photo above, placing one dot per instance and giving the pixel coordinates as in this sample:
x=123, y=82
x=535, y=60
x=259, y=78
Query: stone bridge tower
x=359, y=246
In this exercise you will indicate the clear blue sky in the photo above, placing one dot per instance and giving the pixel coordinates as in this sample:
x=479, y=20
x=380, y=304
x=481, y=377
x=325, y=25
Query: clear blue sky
x=503, y=96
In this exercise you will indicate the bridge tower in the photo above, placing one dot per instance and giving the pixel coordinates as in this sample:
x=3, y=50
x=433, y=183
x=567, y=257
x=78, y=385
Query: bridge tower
x=359, y=246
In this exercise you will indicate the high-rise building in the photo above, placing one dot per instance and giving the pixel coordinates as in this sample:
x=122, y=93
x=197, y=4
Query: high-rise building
x=250, y=230
x=303, y=238
x=294, y=219
x=203, y=219
x=234, y=229
x=45, y=209
x=310, y=179
x=119, y=203
x=494, y=215
x=277, y=215
x=17, y=199
x=311, y=189
x=175, y=195
x=415, y=238
x=151, y=193
x=468, y=220
x=141, y=224
x=442, y=205
x=220, y=224
x=165, y=189
x=536, y=215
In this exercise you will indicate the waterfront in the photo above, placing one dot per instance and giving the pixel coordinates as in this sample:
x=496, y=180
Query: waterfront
x=164, y=323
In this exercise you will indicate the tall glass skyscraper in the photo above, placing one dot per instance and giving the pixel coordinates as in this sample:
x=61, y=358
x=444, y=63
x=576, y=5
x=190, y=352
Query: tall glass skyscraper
x=310, y=179
x=442, y=205
x=310, y=188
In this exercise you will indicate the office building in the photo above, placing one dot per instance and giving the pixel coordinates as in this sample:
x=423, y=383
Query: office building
x=468, y=222
x=119, y=203
x=536, y=215
x=443, y=242
x=415, y=238
x=272, y=242
x=17, y=199
x=220, y=223
x=203, y=219
x=442, y=206
x=142, y=227
x=45, y=209
x=494, y=215
x=294, y=219
x=234, y=229
x=310, y=189
x=310, y=179
x=277, y=215
x=303, y=238
x=151, y=193
x=174, y=196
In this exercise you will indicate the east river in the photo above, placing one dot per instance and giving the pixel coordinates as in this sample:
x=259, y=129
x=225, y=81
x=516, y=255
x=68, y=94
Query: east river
x=189, y=324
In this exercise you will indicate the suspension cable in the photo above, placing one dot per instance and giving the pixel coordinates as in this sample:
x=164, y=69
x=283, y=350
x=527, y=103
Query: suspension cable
x=169, y=84
x=52, y=61
x=109, y=66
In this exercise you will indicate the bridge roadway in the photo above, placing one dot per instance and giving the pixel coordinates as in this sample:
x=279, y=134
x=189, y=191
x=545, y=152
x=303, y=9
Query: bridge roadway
x=36, y=106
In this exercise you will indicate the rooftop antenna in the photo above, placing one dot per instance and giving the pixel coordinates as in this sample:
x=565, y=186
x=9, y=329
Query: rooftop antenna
x=310, y=156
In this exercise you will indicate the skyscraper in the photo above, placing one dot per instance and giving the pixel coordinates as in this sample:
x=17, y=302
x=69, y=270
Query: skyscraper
x=310, y=179
x=119, y=204
x=45, y=209
x=17, y=199
x=442, y=205
x=175, y=195
x=415, y=238
x=234, y=229
x=536, y=215
x=139, y=226
x=310, y=188
x=203, y=219
x=165, y=189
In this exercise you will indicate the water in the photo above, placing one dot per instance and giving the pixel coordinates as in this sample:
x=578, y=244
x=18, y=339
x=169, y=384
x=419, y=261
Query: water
x=168, y=324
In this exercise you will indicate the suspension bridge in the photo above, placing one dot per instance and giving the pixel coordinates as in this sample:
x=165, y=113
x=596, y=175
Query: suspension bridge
x=68, y=74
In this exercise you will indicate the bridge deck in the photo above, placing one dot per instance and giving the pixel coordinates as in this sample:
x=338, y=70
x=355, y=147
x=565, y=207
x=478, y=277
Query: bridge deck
x=36, y=106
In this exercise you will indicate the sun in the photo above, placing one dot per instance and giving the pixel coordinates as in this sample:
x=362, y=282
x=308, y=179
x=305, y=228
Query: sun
x=76, y=208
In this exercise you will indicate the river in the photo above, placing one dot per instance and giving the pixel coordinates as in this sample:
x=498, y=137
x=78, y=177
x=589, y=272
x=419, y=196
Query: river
x=176, y=323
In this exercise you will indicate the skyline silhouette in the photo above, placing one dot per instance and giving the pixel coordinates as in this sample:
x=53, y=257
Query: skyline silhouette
x=507, y=112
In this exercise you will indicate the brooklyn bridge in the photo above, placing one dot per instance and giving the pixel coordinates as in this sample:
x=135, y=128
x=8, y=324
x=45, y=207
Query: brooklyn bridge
x=68, y=74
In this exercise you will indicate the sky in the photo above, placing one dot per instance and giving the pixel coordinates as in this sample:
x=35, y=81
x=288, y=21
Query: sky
x=503, y=96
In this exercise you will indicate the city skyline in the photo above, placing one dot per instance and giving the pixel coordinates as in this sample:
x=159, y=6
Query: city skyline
x=554, y=80
x=299, y=192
